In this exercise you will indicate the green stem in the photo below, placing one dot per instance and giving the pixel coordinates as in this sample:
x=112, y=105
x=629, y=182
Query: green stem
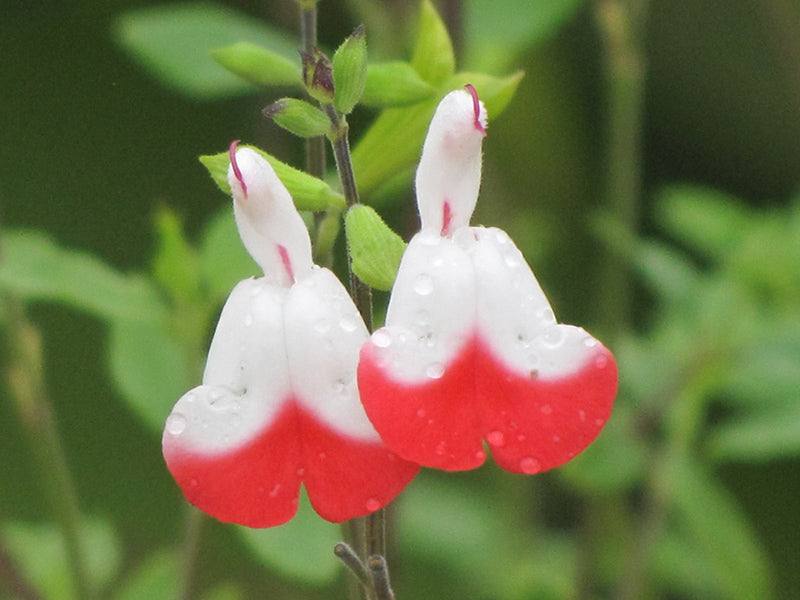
x=190, y=551
x=26, y=377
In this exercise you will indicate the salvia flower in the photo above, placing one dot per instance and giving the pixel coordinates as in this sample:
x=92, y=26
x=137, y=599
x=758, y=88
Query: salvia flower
x=471, y=350
x=279, y=402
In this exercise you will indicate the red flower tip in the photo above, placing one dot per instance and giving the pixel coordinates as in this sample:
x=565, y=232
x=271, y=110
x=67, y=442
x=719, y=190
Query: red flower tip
x=476, y=106
x=236, y=171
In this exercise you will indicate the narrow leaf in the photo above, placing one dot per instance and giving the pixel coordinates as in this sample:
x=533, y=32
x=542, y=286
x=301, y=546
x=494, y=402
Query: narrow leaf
x=375, y=249
x=308, y=192
x=433, y=56
x=257, y=65
x=393, y=85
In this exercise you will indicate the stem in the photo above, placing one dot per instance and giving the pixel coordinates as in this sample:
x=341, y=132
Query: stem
x=189, y=552
x=620, y=23
x=13, y=580
x=26, y=378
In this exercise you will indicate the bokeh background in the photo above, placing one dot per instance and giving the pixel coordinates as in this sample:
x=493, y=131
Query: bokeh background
x=94, y=143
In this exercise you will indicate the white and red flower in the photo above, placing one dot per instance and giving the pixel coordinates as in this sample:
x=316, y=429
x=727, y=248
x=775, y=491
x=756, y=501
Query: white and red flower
x=471, y=350
x=279, y=403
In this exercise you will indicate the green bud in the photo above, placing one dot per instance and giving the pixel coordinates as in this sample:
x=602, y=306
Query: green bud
x=393, y=85
x=308, y=192
x=433, y=55
x=318, y=76
x=350, y=71
x=257, y=64
x=298, y=117
x=375, y=249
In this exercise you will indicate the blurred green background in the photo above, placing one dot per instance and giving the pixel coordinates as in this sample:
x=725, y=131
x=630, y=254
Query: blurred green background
x=698, y=474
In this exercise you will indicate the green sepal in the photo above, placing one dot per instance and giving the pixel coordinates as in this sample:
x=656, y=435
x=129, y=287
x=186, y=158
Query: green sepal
x=308, y=192
x=256, y=64
x=375, y=249
x=318, y=76
x=393, y=85
x=433, y=56
x=298, y=117
x=350, y=71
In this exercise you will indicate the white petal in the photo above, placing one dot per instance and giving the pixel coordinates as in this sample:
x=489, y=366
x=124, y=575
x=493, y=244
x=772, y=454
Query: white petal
x=514, y=316
x=267, y=219
x=246, y=378
x=431, y=312
x=449, y=170
x=324, y=334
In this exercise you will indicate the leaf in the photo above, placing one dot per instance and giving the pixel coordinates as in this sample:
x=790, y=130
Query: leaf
x=149, y=368
x=494, y=39
x=156, y=578
x=175, y=265
x=302, y=549
x=174, y=42
x=308, y=192
x=375, y=249
x=34, y=267
x=715, y=528
x=38, y=549
x=433, y=56
x=394, y=84
x=758, y=436
x=257, y=64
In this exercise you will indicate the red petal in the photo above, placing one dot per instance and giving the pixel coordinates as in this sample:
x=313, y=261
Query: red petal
x=255, y=485
x=531, y=425
x=346, y=477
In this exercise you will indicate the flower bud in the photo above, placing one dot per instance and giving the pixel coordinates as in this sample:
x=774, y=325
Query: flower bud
x=350, y=71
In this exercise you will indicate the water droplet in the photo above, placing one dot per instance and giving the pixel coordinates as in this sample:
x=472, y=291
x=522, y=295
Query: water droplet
x=496, y=438
x=339, y=386
x=274, y=491
x=428, y=238
x=501, y=237
x=301, y=471
x=348, y=323
x=546, y=409
x=554, y=337
x=530, y=465
x=434, y=370
x=520, y=438
x=599, y=422
x=480, y=455
x=590, y=342
x=423, y=285
x=381, y=339
x=441, y=448
x=601, y=361
x=176, y=424
x=322, y=326
x=512, y=261
x=546, y=315
x=421, y=413
x=582, y=415
x=194, y=483
x=213, y=397
x=248, y=320
x=372, y=505
x=556, y=439
x=322, y=456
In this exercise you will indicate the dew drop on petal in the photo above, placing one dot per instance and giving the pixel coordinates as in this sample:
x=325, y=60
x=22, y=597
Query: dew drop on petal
x=274, y=491
x=248, y=320
x=554, y=337
x=423, y=285
x=441, y=448
x=556, y=439
x=372, y=505
x=348, y=323
x=176, y=424
x=590, y=342
x=421, y=413
x=601, y=362
x=582, y=415
x=434, y=370
x=546, y=315
x=599, y=422
x=511, y=261
x=381, y=339
x=530, y=465
x=546, y=409
x=480, y=455
x=496, y=438
x=322, y=326
x=301, y=471
x=322, y=456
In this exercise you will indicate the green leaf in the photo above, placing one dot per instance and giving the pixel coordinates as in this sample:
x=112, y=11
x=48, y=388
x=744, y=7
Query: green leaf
x=302, y=549
x=393, y=85
x=298, y=117
x=224, y=260
x=175, y=265
x=764, y=435
x=375, y=249
x=149, y=368
x=156, y=578
x=36, y=268
x=38, y=549
x=433, y=56
x=715, y=528
x=308, y=192
x=350, y=71
x=494, y=39
x=257, y=64
x=174, y=42
x=393, y=143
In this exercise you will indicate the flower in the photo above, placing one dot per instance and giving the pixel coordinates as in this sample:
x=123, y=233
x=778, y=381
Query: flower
x=471, y=350
x=279, y=403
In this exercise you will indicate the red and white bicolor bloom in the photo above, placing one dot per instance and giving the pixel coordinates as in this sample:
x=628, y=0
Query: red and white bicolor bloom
x=279, y=402
x=471, y=350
